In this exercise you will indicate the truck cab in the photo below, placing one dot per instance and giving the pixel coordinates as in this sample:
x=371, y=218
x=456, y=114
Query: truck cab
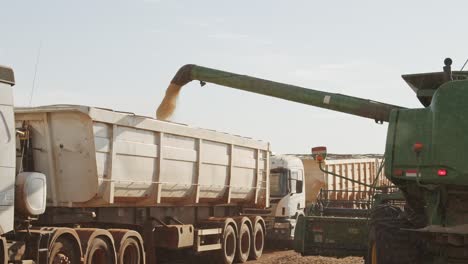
x=7, y=150
x=287, y=196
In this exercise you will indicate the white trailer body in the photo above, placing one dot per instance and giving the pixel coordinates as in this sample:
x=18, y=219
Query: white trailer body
x=98, y=158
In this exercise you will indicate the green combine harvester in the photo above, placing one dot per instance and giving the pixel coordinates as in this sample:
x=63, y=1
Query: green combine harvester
x=425, y=157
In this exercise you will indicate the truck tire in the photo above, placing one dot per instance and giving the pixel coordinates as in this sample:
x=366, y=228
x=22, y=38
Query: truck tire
x=228, y=246
x=258, y=242
x=100, y=252
x=130, y=252
x=243, y=244
x=3, y=250
x=64, y=251
x=388, y=243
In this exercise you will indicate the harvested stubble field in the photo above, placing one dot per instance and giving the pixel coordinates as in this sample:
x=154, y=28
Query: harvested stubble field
x=289, y=257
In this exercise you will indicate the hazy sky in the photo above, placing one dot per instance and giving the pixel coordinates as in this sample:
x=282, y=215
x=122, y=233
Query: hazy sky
x=122, y=54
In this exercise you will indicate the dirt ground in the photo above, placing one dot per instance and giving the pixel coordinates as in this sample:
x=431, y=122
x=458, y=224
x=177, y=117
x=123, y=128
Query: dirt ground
x=289, y=257
x=269, y=257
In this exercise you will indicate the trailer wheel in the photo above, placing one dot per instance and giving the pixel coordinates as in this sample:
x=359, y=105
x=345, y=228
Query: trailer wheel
x=100, y=252
x=129, y=252
x=3, y=249
x=258, y=242
x=388, y=243
x=228, y=250
x=64, y=251
x=243, y=244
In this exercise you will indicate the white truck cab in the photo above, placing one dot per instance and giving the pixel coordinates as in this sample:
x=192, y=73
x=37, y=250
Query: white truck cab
x=21, y=189
x=287, y=196
x=7, y=150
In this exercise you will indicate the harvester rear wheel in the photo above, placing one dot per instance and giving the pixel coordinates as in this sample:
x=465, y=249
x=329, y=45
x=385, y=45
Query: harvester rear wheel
x=388, y=243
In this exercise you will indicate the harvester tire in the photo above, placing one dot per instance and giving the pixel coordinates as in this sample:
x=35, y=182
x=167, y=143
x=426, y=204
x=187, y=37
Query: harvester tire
x=388, y=243
x=64, y=251
x=243, y=244
x=228, y=246
x=258, y=242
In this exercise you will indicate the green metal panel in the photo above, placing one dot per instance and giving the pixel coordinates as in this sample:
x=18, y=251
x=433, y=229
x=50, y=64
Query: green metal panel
x=441, y=128
x=335, y=236
x=450, y=144
x=338, y=102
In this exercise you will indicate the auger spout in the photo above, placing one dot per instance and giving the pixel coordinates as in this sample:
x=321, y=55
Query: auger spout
x=380, y=112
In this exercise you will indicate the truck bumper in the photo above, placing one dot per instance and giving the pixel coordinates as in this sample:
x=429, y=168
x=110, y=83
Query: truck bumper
x=279, y=234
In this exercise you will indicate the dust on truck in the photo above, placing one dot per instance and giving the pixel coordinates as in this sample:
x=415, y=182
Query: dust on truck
x=99, y=186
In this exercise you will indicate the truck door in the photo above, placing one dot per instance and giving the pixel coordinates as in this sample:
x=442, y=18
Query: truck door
x=7, y=150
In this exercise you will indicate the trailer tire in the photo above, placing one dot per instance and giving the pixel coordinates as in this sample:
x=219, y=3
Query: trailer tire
x=388, y=243
x=228, y=246
x=130, y=252
x=3, y=250
x=258, y=241
x=243, y=243
x=100, y=252
x=64, y=251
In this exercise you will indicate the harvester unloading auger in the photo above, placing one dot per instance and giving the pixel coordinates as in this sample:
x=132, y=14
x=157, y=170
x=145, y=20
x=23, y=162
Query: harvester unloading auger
x=425, y=157
x=361, y=107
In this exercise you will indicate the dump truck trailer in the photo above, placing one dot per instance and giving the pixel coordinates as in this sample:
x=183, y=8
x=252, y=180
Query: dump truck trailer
x=94, y=185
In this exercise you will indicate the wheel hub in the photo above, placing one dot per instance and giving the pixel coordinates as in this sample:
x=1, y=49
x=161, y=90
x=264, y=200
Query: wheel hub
x=61, y=258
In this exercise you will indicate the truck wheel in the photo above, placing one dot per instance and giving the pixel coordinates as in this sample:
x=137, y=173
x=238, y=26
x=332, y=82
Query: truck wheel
x=3, y=250
x=258, y=242
x=129, y=252
x=243, y=244
x=228, y=249
x=100, y=252
x=64, y=251
x=388, y=243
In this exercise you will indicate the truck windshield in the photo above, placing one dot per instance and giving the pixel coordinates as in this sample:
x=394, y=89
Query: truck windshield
x=279, y=182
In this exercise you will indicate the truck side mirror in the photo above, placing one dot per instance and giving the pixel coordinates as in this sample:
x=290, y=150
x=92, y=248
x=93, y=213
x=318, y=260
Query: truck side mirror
x=299, y=186
x=319, y=153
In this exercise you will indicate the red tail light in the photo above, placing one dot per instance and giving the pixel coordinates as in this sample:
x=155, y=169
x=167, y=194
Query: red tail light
x=442, y=172
x=317, y=229
x=417, y=147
